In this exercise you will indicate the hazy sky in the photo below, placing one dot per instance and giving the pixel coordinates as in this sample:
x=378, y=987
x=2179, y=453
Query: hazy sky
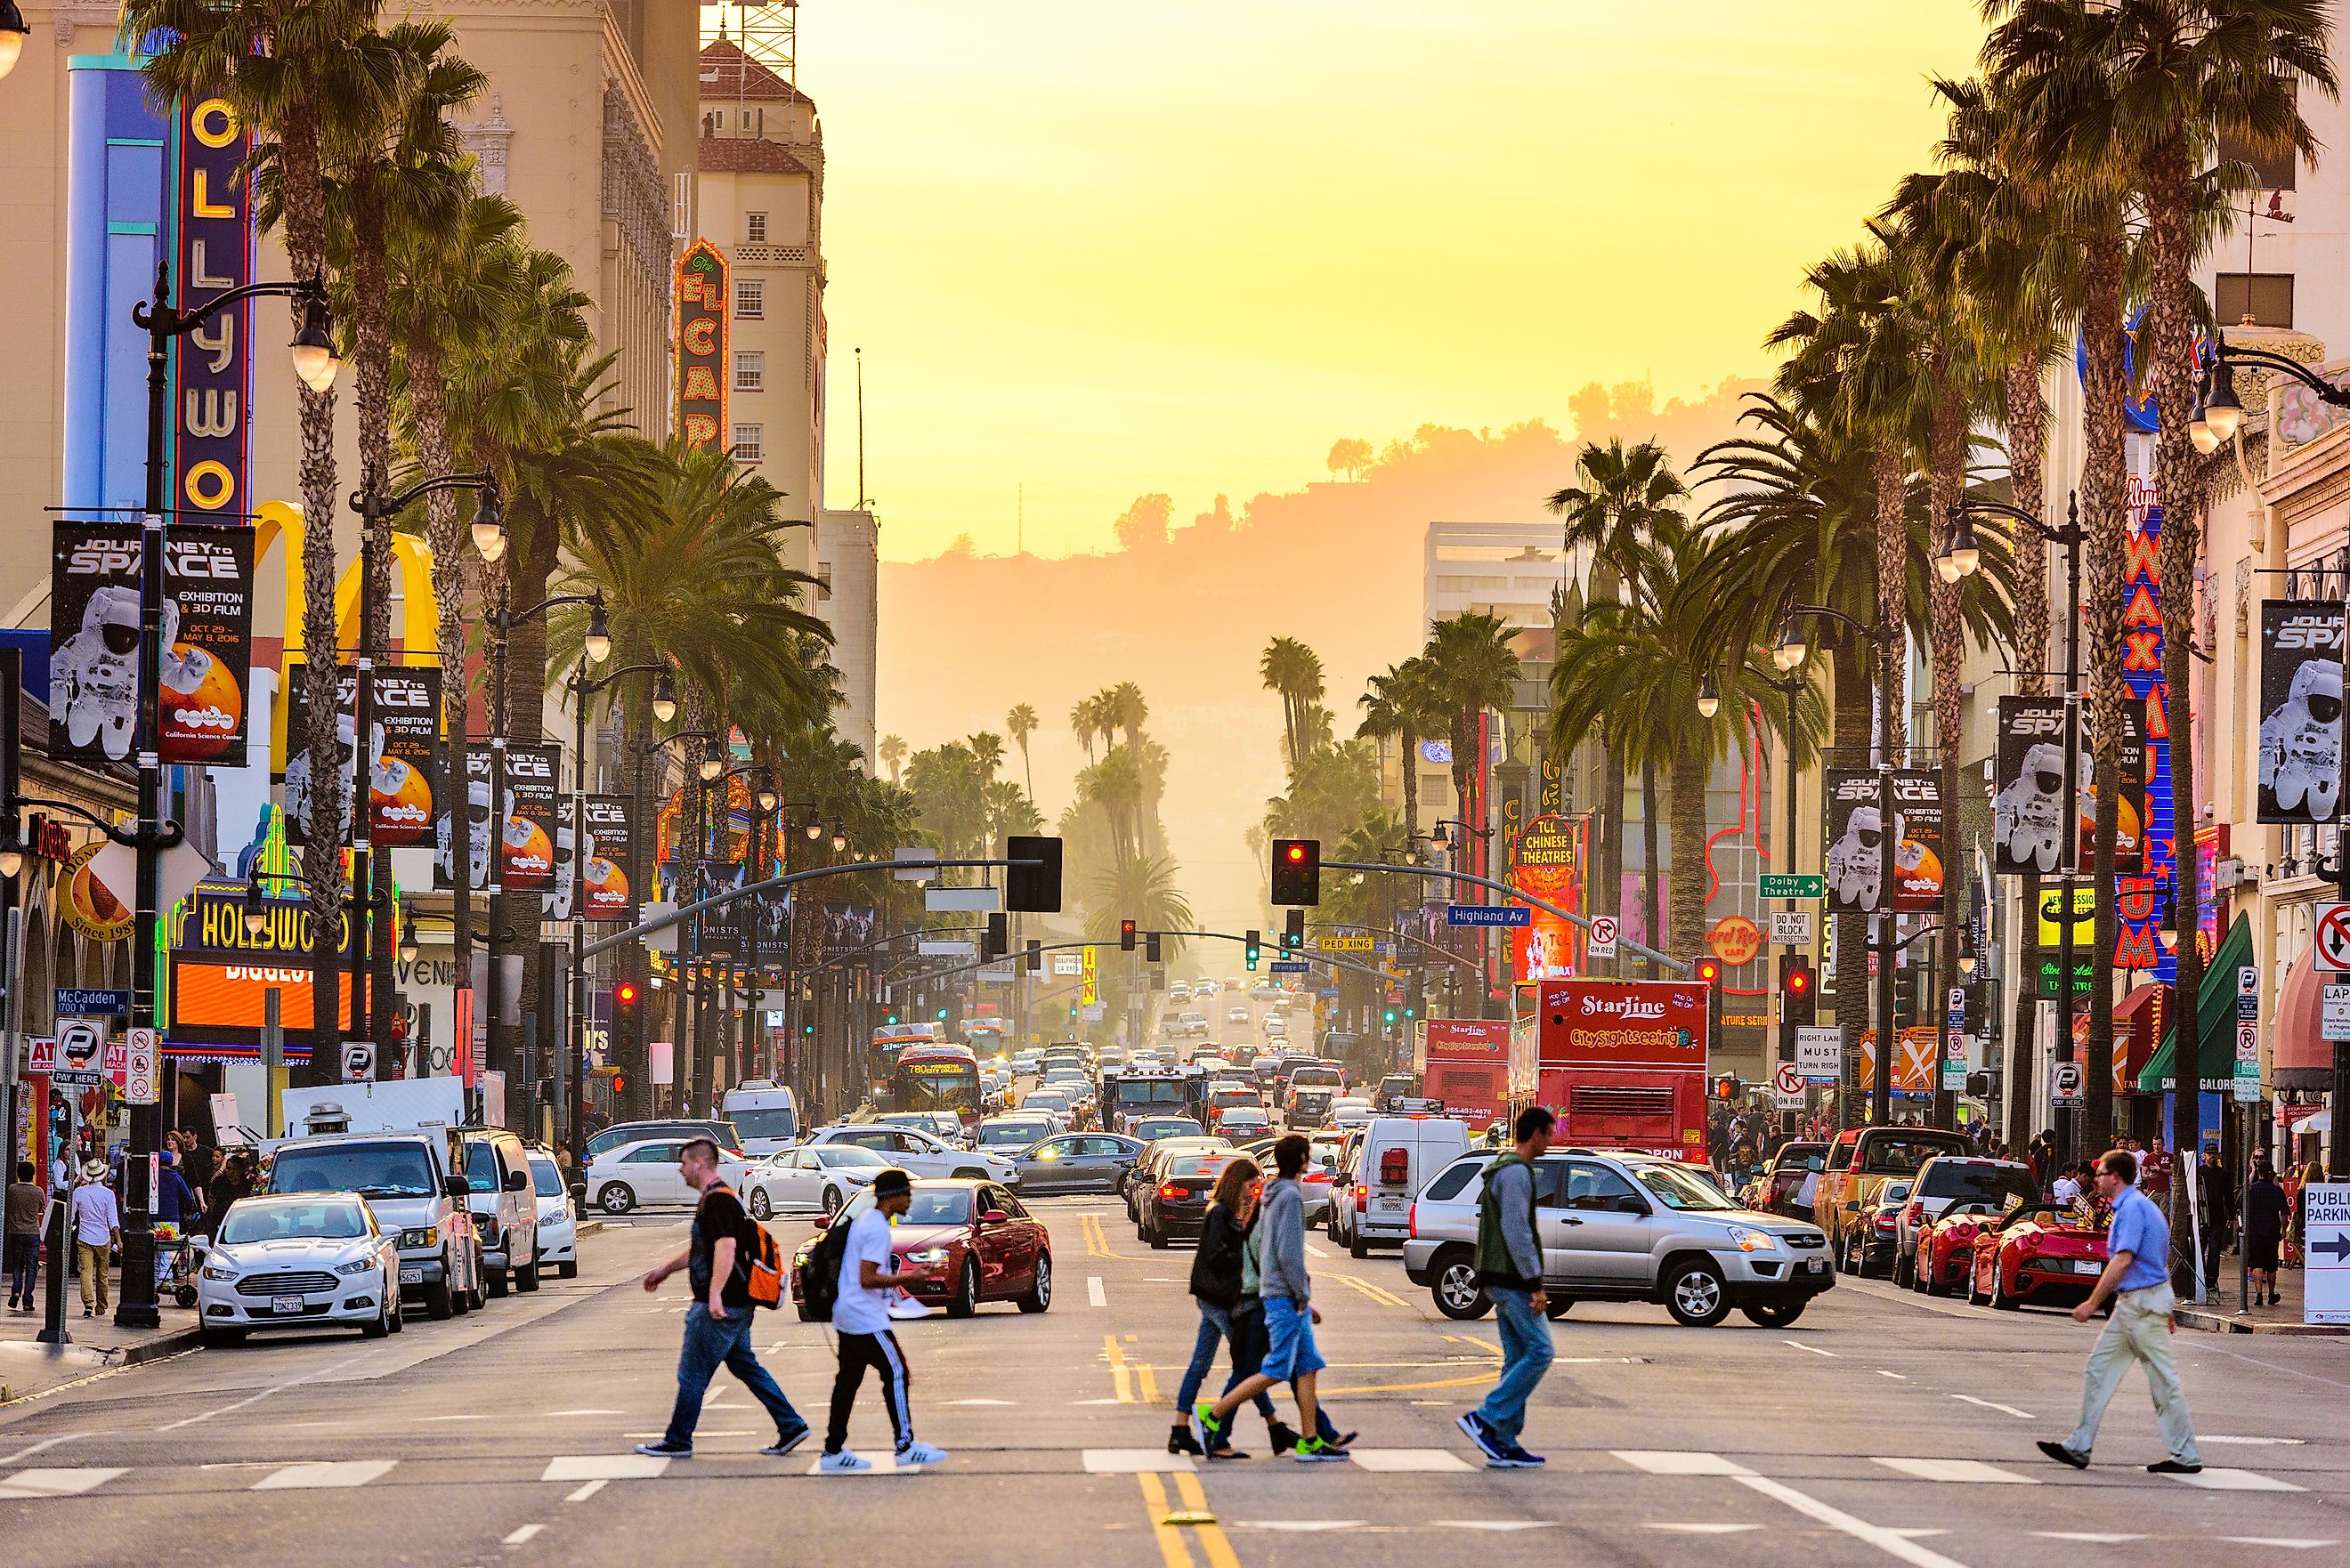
x=1111, y=248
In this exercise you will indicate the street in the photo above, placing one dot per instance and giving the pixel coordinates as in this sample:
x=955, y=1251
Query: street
x=1881, y=1426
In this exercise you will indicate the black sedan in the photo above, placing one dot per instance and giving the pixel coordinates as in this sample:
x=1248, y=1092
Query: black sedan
x=1174, y=1206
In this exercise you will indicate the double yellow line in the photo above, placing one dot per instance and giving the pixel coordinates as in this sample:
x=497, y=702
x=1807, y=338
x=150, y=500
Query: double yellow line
x=1134, y=1382
x=1097, y=1240
x=1174, y=1528
x=1379, y=1293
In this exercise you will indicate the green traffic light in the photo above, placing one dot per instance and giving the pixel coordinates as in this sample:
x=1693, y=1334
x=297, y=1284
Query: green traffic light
x=1391, y=1018
x=943, y=1015
x=893, y=1018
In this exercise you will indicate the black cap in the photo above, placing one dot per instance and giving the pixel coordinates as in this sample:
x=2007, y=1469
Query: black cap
x=891, y=1183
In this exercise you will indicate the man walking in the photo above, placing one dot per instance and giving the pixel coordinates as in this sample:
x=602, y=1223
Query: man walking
x=1290, y=1315
x=860, y=1322
x=1509, y=1266
x=98, y=1232
x=717, y=1261
x=2137, y=1276
x=24, y=1205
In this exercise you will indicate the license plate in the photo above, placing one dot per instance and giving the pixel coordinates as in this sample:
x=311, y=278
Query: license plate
x=1815, y=1265
x=411, y=1276
x=286, y=1306
x=2088, y=1266
x=1388, y=1204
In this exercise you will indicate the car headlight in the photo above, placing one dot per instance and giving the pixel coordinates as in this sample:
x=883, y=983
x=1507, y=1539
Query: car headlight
x=355, y=1266
x=1752, y=1241
x=927, y=1255
x=559, y=1215
x=430, y=1236
x=219, y=1272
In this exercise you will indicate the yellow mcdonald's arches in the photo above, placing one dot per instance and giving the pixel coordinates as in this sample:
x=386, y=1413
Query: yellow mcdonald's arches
x=281, y=523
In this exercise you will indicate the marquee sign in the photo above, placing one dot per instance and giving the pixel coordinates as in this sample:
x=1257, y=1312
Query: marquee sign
x=212, y=367
x=702, y=303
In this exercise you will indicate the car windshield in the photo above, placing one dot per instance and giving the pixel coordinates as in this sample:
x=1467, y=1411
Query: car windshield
x=1195, y=1165
x=847, y=1153
x=1902, y=1156
x=481, y=1166
x=1968, y=1182
x=1678, y=1189
x=764, y=1121
x=939, y=1206
x=1167, y=1127
x=1049, y=1102
x=283, y=1221
x=1011, y=1134
x=373, y=1169
x=545, y=1177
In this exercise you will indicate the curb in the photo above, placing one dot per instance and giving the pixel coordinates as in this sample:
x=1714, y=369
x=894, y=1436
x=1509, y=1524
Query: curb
x=589, y=1228
x=165, y=1344
x=154, y=1349
x=2208, y=1322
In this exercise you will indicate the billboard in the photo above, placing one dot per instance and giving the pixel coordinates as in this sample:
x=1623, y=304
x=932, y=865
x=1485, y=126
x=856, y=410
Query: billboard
x=95, y=632
x=404, y=754
x=2028, y=787
x=1921, y=849
x=1548, y=861
x=703, y=372
x=1856, y=840
x=212, y=368
x=528, y=862
x=2300, y=712
x=1623, y=1023
x=222, y=973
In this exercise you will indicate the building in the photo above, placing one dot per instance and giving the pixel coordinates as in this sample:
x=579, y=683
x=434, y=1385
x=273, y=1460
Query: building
x=848, y=550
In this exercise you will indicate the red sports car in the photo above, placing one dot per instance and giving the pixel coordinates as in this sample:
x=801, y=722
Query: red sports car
x=977, y=1241
x=2040, y=1253
x=1946, y=1249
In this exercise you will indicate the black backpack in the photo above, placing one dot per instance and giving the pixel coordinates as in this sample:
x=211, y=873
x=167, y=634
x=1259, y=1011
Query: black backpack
x=820, y=1274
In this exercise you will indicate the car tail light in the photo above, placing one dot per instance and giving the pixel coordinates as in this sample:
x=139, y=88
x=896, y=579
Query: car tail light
x=1170, y=1192
x=1411, y=1223
x=1884, y=1222
x=1362, y=1200
x=1914, y=1215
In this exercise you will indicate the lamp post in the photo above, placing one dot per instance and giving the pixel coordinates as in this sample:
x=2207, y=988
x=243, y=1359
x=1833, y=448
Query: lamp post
x=1708, y=703
x=2218, y=415
x=314, y=360
x=373, y=507
x=2070, y=536
x=711, y=764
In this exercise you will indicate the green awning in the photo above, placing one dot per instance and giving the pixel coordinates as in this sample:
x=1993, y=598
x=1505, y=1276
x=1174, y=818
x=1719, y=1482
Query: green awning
x=2215, y=1018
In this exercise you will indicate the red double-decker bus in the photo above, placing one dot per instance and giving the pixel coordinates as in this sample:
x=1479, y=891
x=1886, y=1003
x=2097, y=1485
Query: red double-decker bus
x=1621, y=1063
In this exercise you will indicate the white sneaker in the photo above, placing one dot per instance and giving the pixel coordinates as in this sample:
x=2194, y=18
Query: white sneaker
x=920, y=1453
x=849, y=1462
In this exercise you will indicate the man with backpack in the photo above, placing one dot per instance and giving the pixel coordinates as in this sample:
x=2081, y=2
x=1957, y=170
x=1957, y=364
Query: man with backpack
x=1510, y=1267
x=863, y=1284
x=730, y=1261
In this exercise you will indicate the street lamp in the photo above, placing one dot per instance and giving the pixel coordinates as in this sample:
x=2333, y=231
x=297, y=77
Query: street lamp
x=1709, y=700
x=13, y=33
x=814, y=829
x=1962, y=557
x=1789, y=650
x=489, y=530
x=714, y=760
x=839, y=842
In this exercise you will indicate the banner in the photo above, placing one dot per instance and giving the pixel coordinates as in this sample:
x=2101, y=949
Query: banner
x=94, y=637
x=848, y=926
x=1548, y=861
x=404, y=757
x=2028, y=800
x=703, y=371
x=1855, y=841
x=2131, y=821
x=1920, y=846
x=2300, y=712
x=602, y=862
x=526, y=857
x=212, y=368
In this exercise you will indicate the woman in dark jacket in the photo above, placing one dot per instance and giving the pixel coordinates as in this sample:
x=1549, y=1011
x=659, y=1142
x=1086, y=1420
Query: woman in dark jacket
x=1216, y=1284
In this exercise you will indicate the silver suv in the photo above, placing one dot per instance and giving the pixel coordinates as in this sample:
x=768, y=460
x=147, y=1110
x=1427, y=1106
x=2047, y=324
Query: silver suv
x=1624, y=1228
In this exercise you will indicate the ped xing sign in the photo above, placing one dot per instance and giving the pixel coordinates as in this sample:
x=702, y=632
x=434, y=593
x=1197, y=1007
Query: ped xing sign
x=1489, y=915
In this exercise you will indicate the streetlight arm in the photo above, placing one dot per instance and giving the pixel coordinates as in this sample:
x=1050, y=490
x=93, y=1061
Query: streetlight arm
x=172, y=322
x=553, y=601
x=1876, y=632
x=2052, y=535
x=167, y=833
x=592, y=687
x=415, y=493
x=2326, y=390
x=1677, y=965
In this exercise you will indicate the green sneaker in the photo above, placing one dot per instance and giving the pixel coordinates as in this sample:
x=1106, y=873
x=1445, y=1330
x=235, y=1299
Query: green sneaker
x=1212, y=1434
x=1315, y=1452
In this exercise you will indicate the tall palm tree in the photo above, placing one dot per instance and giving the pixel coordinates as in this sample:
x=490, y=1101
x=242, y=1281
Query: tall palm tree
x=1141, y=888
x=1404, y=703
x=893, y=750
x=1020, y=723
x=987, y=751
x=1127, y=710
x=1472, y=669
x=1294, y=672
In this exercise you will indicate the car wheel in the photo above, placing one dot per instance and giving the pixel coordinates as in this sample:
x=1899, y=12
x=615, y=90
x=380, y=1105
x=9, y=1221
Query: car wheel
x=1158, y=1238
x=499, y=1282
x=1356, y=1246
x=966, y=1297
x=527, y=1280
x=1773, y=1314
x=1040, y=1289
x=439, y=1301
x=1559, y=1306
x=1975, y=1296
x=616, y=1197
x=399, y=1313
x=1455, y=1288
x=761, y=1206
x=2000, y=1299
x=832, y=1201
x=461, y=1303
x=380, y=1327
x=1905, y=1269
x=566, y=1269
x=1696, y=1295
x=221, y=1338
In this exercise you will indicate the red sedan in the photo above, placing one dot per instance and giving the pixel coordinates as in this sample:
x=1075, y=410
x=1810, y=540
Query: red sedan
x=2040, y=1254
x=978, y=1241
x=1946, y=1249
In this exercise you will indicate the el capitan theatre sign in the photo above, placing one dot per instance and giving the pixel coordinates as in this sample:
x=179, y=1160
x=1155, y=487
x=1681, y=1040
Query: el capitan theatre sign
x=702, y=303
x=222, y=975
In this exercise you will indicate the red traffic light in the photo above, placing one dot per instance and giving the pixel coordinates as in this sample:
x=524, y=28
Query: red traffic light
x=1708, y=972
x=624, y=994
x=1799, y=980
x=1297, y=853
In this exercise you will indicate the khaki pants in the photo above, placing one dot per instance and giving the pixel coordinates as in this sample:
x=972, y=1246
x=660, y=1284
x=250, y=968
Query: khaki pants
x=95, y=1256
x=2139, y=1331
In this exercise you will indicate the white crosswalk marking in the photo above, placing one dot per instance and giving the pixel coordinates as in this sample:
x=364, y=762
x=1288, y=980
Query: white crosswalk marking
x=56, y=1482
x=2291, y=1543
x=1093, y=1296
x=1671, y=1462
x=334, y=1473
x=1495, y=1524
x=603, y=1466
x=2219, y=1477
x=1957, y=1471
x=522, y=1535
x=1703, y=1529
x=1399, y=1460
x=1133, y=1461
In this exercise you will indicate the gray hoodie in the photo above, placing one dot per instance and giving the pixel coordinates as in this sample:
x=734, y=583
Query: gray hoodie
x=1280, y=1242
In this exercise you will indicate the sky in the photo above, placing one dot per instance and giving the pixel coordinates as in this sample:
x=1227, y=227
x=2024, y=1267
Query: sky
x=1095, y=250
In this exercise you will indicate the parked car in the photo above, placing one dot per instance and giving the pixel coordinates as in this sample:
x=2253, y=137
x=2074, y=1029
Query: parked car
x=1944, y=1261
x=722, y=1133
x=415, y=1183
x=644, y=1175
x=2040, y=1255
x=1624, y=1228
x=1862, y=1159
x=1946, y=1181
x=816, y=1178
x=767, y=1115
x=1173, y=1205
x=1869, y=1249
x=1789, y=1179
x=506, y=1209
x=1078, y=1162
x=1382, y=1169
x=559, y=1222
x=978, y=1241
x=298, y=1261
x=916, y=1152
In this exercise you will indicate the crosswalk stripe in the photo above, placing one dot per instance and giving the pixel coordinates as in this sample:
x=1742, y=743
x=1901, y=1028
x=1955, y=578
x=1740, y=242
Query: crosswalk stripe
x=55, y=1482
x=312, y=1475
x=1672, y=1462
x=1957, y=1471
x=1397, y=1461
x=603, y=1466
x=2219, y=1477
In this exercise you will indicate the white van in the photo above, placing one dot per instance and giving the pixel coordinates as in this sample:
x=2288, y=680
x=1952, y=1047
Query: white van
x=766, y=1116
x=1399, y=1153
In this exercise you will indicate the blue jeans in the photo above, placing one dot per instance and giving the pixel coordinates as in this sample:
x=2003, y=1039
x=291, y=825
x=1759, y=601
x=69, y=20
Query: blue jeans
x=1525, y=1357
x=710, y=1343
x=1215, y=1324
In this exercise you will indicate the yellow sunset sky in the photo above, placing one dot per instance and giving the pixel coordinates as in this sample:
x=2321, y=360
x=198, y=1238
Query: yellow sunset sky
x=1102, y=248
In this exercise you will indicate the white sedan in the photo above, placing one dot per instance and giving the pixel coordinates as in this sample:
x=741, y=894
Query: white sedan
x=298, y=1261
x=916, y=1152
x=559, y=1222
x=813, y=1179
x=644, y=1175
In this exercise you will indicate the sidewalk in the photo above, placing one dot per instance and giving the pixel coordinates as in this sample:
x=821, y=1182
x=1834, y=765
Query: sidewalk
x=28, y=1368
x=2219, y=1314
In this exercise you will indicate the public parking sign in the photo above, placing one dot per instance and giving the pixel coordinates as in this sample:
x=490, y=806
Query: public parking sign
x=2325, y=1285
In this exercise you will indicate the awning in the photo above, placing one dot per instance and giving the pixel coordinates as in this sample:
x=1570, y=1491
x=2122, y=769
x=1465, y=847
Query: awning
x=2215, y=1018
x=2300, y=1056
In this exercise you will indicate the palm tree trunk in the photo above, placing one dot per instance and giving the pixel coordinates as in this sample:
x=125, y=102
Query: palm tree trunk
x=2027, y=435
x=516, y=914
x=1849, y=670
x=1946, y=473
x=1689, y=770
x=1892, y=577
x=1651, y=872
x=1611, y=846
x=1411, y=781
x=429, y=411
x=2107, y=520
x=371, y=354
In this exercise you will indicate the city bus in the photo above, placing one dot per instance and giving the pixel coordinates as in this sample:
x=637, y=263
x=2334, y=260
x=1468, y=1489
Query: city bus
x=936, y=1076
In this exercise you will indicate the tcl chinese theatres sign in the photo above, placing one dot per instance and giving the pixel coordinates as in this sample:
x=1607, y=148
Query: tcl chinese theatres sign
x=1628, y=1023
x=702, y=303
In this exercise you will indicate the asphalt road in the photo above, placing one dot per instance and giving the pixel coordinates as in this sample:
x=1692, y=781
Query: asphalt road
x=1879, y=1428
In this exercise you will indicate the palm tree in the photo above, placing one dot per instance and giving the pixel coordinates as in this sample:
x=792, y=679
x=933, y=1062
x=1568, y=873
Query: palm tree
x=1295, y=671
x=1127, y=711
x=987, y=749
x=1402, y=703
x=1138, y=887
x=1021, y=724
x=1471, y=667
x=893, y=750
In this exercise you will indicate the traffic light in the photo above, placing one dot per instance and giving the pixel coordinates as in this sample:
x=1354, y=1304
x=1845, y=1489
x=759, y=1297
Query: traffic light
x=1799, y=1001
x=1725, y=1088
x=892, y=1019
x=943, y=1015
x=1126, y=935
x=999, y=935
x=1296, y=871
x=1251, y=949
x=624, y=1013
x=1905, y=989
x=1033, y=889
x=1150, y=948
x=1390, y=1017
x=1709, y=975
x=1293, y=935
x=1036, y=956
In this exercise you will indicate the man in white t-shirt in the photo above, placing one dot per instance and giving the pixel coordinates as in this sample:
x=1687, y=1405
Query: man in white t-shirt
x=860, y=1322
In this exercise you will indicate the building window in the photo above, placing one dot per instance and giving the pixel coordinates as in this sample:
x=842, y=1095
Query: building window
x=751, y=298
x=750, y=442
x=750, y=370
x=755, y=228
x=2261, y=299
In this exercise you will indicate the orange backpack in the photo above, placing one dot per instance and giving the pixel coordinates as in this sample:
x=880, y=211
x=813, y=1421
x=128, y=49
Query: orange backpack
x=761, y=1262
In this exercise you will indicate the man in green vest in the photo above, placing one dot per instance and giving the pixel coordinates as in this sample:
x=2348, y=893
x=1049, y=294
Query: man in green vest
x=1509, y=1267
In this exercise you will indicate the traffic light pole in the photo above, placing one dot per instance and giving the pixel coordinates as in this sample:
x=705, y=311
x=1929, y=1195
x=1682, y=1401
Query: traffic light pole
x=1675, y=966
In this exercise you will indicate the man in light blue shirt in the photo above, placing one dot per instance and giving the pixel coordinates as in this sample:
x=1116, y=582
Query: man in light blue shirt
x=2137, y=1276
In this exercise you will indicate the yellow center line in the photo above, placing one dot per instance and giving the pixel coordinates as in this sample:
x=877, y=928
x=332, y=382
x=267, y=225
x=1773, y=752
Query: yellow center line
x=1172, y=1548
x=1211, y=1534
x=1487, y=1346
x=1364, y=1287
x=1147, y=1384
x=1121, y=1379
x=1097, y=1240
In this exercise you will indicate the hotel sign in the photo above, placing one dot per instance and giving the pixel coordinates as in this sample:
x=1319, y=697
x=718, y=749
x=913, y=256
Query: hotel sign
x=702, y=302
x=212, y=367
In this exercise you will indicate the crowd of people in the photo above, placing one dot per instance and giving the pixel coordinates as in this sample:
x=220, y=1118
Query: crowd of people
x=195, y=1183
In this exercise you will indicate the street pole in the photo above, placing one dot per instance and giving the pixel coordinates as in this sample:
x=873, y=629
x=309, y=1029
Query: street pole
x=2337, y=1142
x=2063, y=1125
x=1880, y=1100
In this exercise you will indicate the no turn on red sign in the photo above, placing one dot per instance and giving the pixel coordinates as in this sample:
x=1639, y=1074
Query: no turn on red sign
x=2330, y=938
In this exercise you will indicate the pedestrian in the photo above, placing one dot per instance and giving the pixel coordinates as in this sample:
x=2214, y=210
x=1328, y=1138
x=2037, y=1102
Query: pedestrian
x=1216, y=1285
x=860, y=1322
x=1290, y=1316
x=1510, y=1268
x=2138, y=1277
x=2218, y=1198
x=98, y=1232
x=2065, y=1190
x=2265, y=1212
x=717, y=1262
x=24, y=1205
